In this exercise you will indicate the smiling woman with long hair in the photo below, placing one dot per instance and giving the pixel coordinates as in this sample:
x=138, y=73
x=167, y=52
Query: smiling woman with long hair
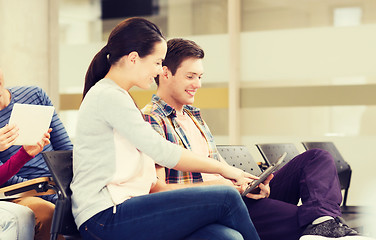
x=116, y=151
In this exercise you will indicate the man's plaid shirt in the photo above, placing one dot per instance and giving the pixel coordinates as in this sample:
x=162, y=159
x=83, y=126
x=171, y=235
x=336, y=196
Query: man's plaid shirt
x=162, y=118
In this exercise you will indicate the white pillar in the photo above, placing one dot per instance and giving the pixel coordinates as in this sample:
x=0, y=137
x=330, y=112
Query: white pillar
x=29, y=44
x=234, y=20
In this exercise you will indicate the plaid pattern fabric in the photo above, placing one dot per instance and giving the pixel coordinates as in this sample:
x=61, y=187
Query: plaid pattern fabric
x=162, y=118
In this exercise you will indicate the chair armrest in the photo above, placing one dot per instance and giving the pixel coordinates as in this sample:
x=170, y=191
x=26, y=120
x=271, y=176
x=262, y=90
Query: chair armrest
x=33, y=187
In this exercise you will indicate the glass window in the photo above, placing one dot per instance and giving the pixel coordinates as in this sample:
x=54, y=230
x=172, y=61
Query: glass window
x=284, y=44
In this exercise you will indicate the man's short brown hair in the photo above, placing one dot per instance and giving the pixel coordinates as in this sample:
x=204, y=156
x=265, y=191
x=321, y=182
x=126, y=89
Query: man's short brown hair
x=178, y=50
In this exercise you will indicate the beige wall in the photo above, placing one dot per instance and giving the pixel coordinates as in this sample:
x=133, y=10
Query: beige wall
x=288, y=14
x=29, y=44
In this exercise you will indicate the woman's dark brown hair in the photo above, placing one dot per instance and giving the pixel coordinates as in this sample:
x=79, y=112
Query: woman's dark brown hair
x=133, y=34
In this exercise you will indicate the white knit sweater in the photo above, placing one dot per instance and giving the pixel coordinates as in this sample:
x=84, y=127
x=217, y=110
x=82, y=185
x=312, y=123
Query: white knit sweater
x=111, y=152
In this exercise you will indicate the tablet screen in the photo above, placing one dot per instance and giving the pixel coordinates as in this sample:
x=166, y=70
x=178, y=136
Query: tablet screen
x=252, y=185
x=32, y=120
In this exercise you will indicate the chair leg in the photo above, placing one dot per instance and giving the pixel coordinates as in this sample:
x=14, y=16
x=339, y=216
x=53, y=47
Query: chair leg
x=345, y=197
x=56, y=220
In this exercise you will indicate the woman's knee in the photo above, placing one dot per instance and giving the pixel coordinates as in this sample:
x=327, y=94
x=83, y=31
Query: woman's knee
x=17, y=222
x=233, y=194
x=217, y=191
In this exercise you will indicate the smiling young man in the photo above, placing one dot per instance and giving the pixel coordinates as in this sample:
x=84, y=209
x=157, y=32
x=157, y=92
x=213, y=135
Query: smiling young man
x=311, y=176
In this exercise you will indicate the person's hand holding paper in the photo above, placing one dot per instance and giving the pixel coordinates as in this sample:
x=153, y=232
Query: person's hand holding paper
x=32, y=121
x=8, y=135
x=33, y=150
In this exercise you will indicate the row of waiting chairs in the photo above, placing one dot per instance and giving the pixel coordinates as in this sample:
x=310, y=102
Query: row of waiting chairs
x=240, y=157
x=60, y=166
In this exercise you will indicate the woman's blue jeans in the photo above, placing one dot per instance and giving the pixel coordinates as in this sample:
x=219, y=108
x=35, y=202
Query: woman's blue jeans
x=200, y=213
x=16, y=221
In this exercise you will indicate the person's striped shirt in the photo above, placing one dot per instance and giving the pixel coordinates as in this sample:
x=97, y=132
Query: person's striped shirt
x=36, y=167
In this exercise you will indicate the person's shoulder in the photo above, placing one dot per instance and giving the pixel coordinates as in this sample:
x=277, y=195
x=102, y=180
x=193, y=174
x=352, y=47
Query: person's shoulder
x=107, y=90
x=148, y=108
x=30, y=95
x=153, y=110
x=26, y=89
x=155, y=116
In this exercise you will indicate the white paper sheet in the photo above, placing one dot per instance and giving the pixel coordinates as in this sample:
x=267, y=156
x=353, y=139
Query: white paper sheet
x=32, y=120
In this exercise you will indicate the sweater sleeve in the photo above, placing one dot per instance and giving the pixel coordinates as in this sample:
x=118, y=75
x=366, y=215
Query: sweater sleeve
x=127, y=119
x=13, y=165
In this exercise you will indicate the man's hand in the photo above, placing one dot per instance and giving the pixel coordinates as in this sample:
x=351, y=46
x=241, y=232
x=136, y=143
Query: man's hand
x=264, y=189
x=8, y=135
x=33, y=150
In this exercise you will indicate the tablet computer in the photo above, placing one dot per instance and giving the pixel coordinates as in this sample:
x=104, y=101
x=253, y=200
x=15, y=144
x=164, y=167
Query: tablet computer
x=32, y=120
x=254, y=184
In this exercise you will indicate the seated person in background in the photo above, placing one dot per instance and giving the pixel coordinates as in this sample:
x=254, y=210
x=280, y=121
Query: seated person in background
x=36, y=167
x=17, y=222
x=8, y=135
x=311, y=176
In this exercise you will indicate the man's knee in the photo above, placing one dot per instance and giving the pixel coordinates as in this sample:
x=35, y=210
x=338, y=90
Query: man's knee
x=43, y=210
x=216, y=231
x=230, y=234
x=318, y=155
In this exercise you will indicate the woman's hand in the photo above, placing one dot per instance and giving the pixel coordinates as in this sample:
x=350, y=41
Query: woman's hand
x=33, y=150
x=8, y=135
x=264, y=189
x=238, y=176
